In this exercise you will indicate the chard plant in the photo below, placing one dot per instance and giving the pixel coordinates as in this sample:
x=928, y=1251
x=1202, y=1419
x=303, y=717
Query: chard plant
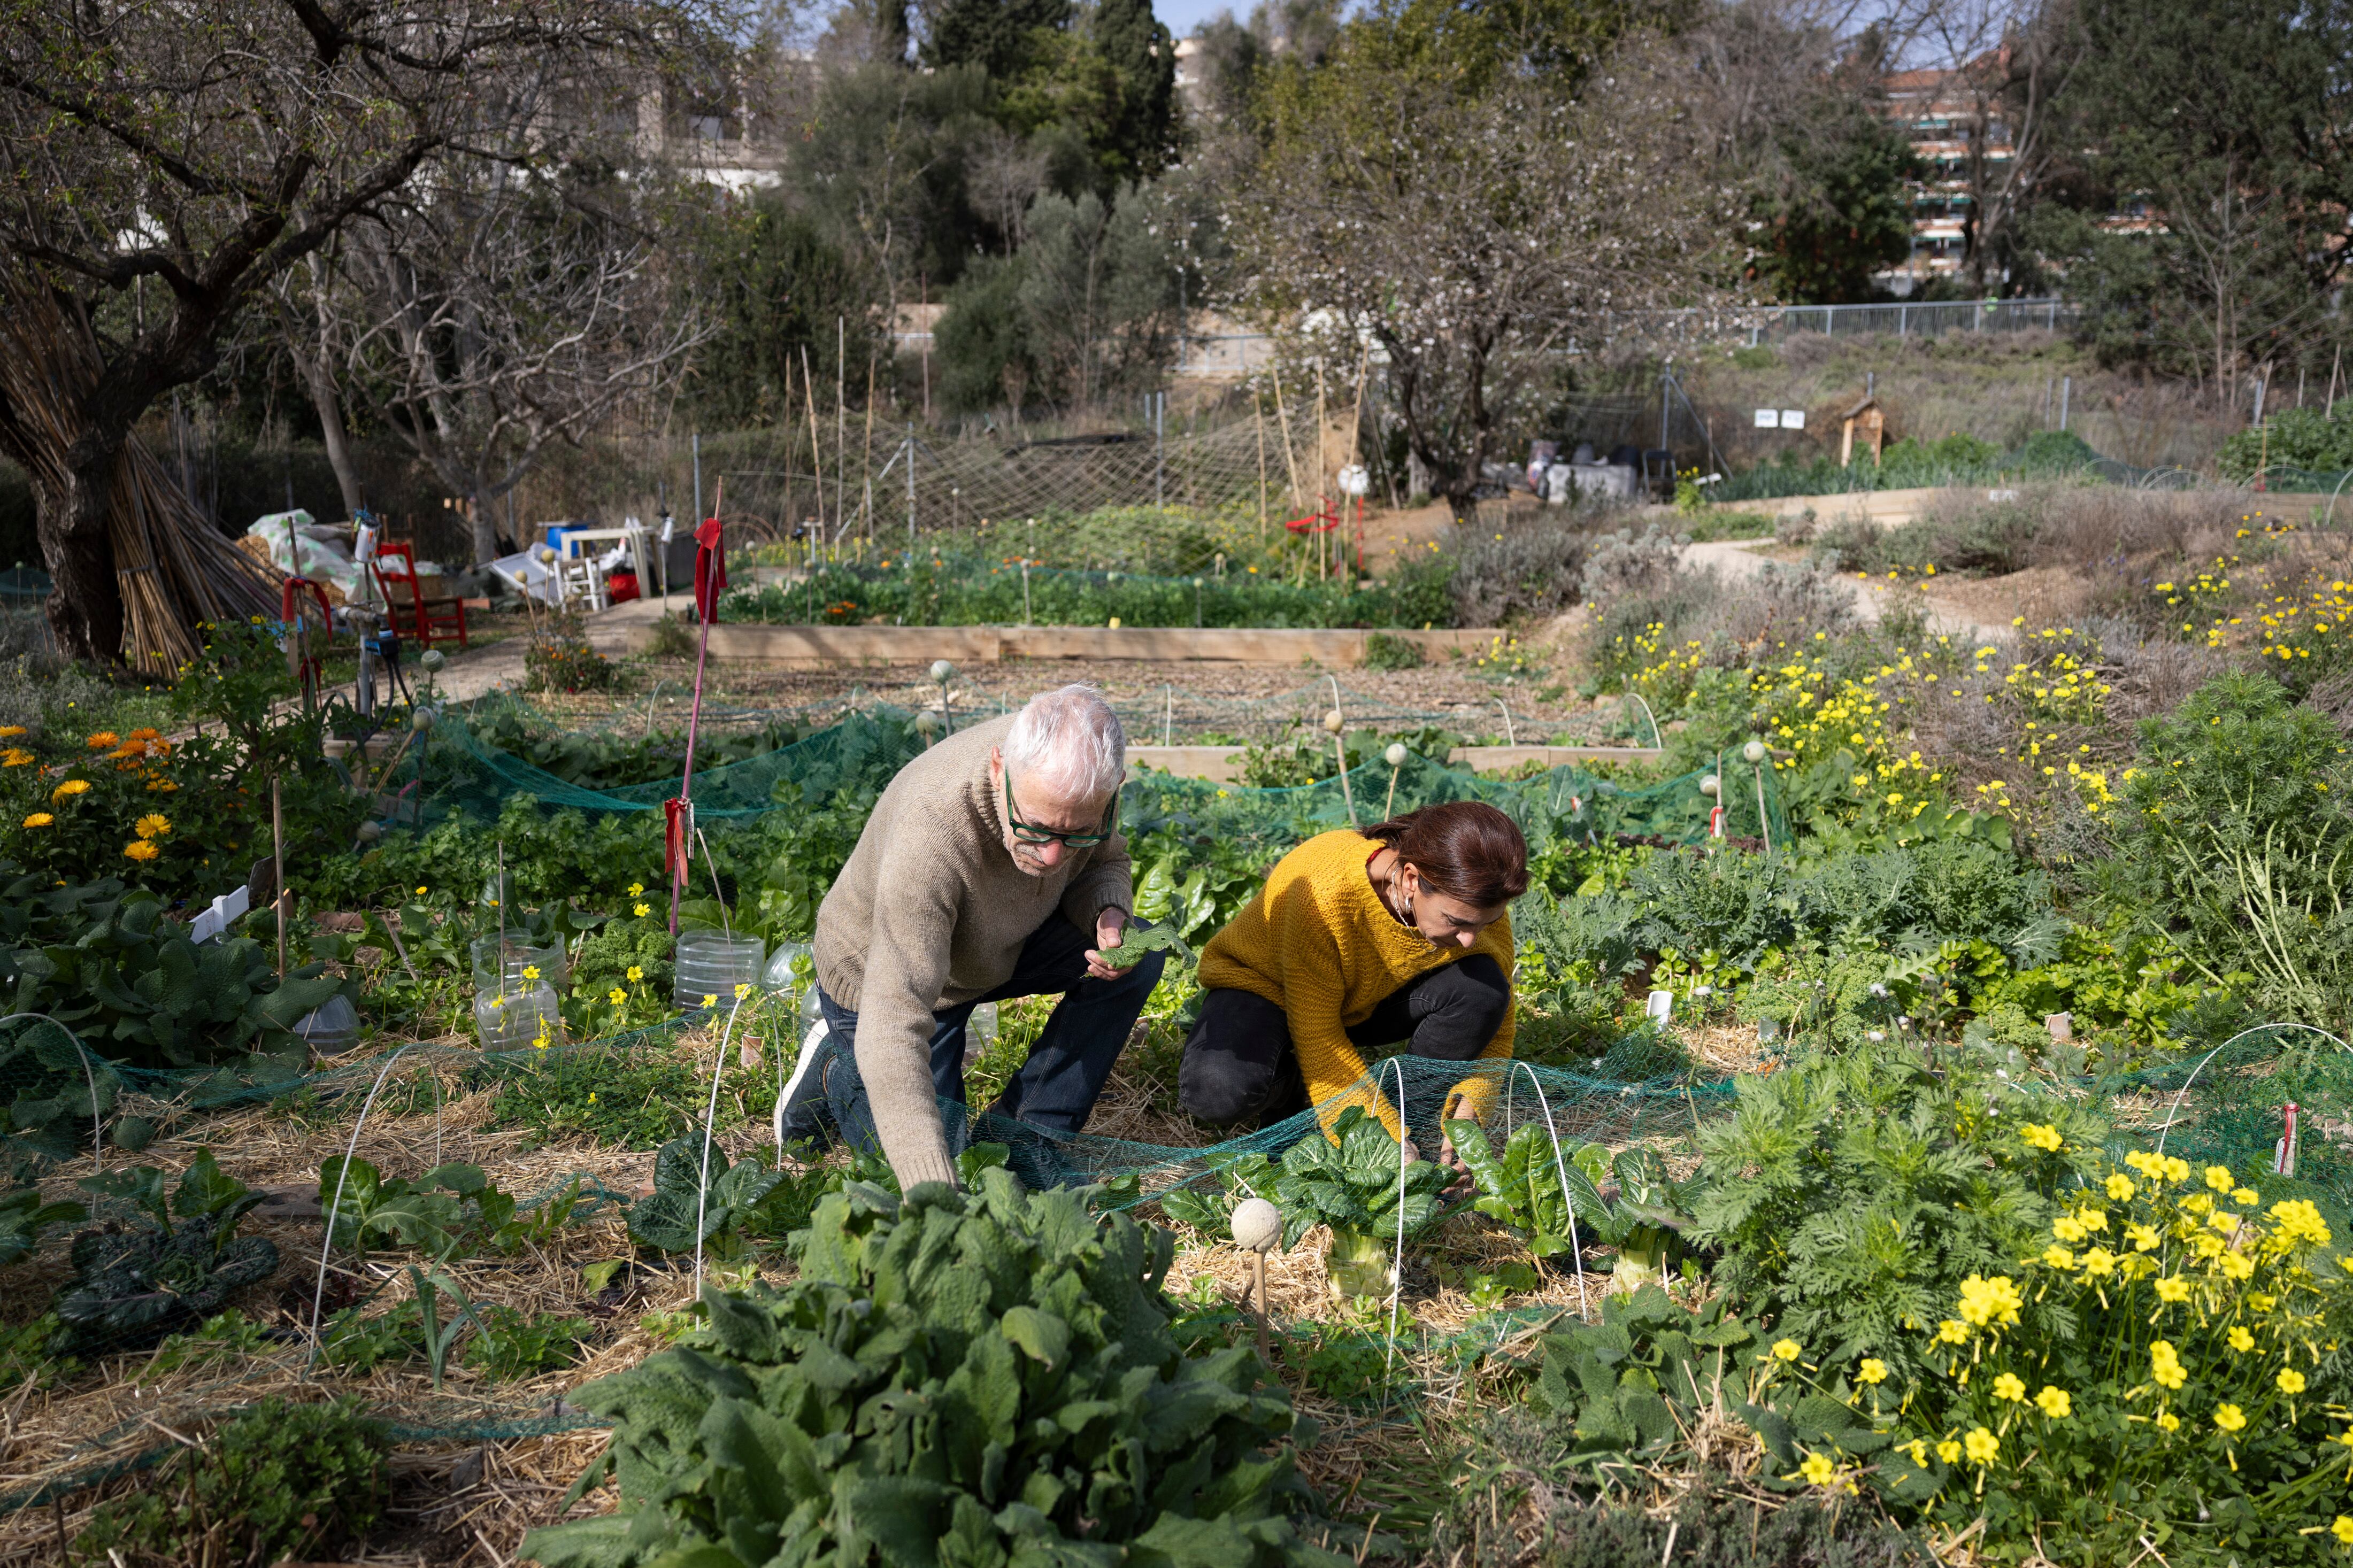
x=984, y=1380
x=1355, y=1180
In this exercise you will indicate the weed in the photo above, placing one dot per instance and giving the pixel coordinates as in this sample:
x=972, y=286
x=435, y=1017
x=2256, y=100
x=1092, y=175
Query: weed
x=510, y=1345
x=280, y=1481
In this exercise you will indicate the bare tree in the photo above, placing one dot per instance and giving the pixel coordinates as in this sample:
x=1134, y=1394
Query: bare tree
x=1470, y=233
x=2002, y=68
x=500, y=307
x=166, y=162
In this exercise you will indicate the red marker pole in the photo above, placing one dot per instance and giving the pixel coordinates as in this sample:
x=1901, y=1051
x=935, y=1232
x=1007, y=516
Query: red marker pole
x=710, y=577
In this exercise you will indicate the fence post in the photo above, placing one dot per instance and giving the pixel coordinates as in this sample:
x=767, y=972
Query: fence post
x=698, y=479
x=910, y=489
x=1903, y=319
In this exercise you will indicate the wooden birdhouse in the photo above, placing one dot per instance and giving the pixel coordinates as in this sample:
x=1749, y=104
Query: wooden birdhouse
x=1864, y=422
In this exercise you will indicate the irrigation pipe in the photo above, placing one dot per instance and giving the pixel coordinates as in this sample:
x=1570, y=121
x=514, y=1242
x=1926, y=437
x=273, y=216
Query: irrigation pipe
x=710, y=1123
x=2175, y=1108
x=2332, y=498
x=97, y=1119
x=1657, y=738
x=344, y=1174
x=1575, y=1251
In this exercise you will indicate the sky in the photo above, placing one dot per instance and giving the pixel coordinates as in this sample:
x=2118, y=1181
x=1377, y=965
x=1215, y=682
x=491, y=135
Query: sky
x=1181, y=17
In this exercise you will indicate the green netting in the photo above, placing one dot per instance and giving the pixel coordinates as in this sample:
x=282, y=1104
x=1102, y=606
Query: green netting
x=461, y=773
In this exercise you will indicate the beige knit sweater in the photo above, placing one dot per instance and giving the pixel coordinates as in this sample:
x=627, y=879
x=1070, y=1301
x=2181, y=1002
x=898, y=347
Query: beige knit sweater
x=930, y=912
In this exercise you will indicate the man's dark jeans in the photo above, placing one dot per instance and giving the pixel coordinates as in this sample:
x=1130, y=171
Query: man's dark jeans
x=1067, y=1066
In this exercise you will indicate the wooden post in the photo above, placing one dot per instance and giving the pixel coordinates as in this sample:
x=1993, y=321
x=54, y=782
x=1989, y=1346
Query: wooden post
x=1257, y=1289
x=817, y=452
x=1322, y=481
x=840, y=421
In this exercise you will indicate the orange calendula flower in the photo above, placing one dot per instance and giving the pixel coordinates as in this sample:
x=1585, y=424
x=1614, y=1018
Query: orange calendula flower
x=39, y=819
x=163, y=786
x=146, y=734
x=142, y=849
x=104, y=741
x=10, y=732
x=16, y=757
x=155, y=825
x=69, y=789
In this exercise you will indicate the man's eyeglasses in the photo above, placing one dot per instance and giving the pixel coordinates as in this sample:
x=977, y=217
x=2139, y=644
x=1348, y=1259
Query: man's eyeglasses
x=1023, y=832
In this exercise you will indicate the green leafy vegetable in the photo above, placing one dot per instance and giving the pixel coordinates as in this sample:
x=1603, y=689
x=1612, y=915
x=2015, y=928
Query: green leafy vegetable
x=1136, y=940
x=1247, y=1175
x=744, y=1200
x=444, y=1212
x=23, y=1217
x=978, y=1380
x=132, y=1287
x=1351, y=1181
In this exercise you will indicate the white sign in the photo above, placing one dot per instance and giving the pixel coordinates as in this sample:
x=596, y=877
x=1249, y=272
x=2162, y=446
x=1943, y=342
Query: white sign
x=1769, y=419
x=1793, y=419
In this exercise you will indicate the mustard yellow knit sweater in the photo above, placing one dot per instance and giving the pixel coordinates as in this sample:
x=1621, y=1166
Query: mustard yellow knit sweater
x=1319, y=943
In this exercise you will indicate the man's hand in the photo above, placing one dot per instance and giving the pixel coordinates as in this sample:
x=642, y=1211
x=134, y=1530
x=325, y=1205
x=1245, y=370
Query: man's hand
x=1108, y=926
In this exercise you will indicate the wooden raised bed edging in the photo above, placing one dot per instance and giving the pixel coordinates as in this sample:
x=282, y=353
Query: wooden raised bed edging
x=1223, y=764
x=817, y=646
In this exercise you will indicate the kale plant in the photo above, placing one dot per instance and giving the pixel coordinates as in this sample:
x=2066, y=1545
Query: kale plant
x=176, y=1268
x=978, y=1380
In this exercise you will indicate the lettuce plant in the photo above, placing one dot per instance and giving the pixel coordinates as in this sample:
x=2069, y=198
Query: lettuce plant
x=982, y=1380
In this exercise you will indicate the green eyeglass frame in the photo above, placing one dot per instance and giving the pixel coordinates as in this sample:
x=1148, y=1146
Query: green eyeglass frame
x=1023, y=832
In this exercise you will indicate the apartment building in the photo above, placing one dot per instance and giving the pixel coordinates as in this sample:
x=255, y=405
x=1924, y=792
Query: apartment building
x=1951, y=117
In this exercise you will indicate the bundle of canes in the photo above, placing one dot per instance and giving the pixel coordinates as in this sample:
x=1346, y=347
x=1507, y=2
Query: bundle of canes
x=174, y=570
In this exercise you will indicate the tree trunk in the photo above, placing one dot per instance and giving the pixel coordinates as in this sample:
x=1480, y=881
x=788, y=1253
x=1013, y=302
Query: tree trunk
x=85, y=603
x=484, y=517
x=320, y=382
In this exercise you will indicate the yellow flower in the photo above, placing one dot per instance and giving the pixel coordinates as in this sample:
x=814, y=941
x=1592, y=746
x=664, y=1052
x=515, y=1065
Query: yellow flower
x=1818, y=1470
x=2067, y=1227
x=743, y=989
x=2058, y=1257
x=2343, y=1530
x=636, y=975
x=2008, y=1387
x=10, y=732
x=1949, y=1451
x=1981, y=1445
x=2219, y=1177
x=2237, y=1266
x=2092, y=1219
x=16, y=757
x=1952, y=1331
x=2120, y=1188
x=2240, y=1341
x=39, y=819
x=1787, y=1350
x=420, y=892
x=2230, y=1417
x=2291, y=1380
x=2143, y=1238
x=69, y=789
x=104, y=741
x=617, y=995
x=2176, y=1169
x=2042, y=1135
x=2056, y=1402
x=2173, y=1288
x=643, y=910
x=2167, y=1421
x=142, y=849
x=635, y=889
x=2298, y=1220
x=709, y=999
x=530, y=972
x=2098, y=1263
x=2165, y=1364
x=2147, y=1165
x=1872, y=1371
x=2246, y=1197
x=155, y=825
x=1918, y=1449
x=1993, y=1301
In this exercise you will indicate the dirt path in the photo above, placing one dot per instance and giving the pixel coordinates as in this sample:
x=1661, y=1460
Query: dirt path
x=1737, y=559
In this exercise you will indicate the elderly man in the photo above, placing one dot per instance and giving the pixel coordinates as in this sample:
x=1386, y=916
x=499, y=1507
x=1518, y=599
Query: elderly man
x=992, y=868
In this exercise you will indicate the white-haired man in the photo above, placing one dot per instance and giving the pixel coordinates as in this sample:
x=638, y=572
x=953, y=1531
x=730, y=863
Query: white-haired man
x=992, y=868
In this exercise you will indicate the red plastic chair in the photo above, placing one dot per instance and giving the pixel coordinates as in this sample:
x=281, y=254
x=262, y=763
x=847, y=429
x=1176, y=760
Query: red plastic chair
x=411, y=612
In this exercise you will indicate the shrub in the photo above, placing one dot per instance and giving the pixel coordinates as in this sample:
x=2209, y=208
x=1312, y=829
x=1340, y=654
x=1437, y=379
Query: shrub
x=982, y=1380
x=559, y=656
x=1851, y=1194
x=280, y=1481
x=1528, y=572
x=2237, y=845
x=1383, y=651
x=2169, y=1365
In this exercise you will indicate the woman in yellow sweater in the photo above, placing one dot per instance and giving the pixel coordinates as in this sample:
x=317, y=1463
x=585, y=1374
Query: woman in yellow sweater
x=1398, y=936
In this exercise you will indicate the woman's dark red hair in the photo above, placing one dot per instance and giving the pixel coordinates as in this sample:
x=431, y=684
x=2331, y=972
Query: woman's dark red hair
x=1465, y=849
